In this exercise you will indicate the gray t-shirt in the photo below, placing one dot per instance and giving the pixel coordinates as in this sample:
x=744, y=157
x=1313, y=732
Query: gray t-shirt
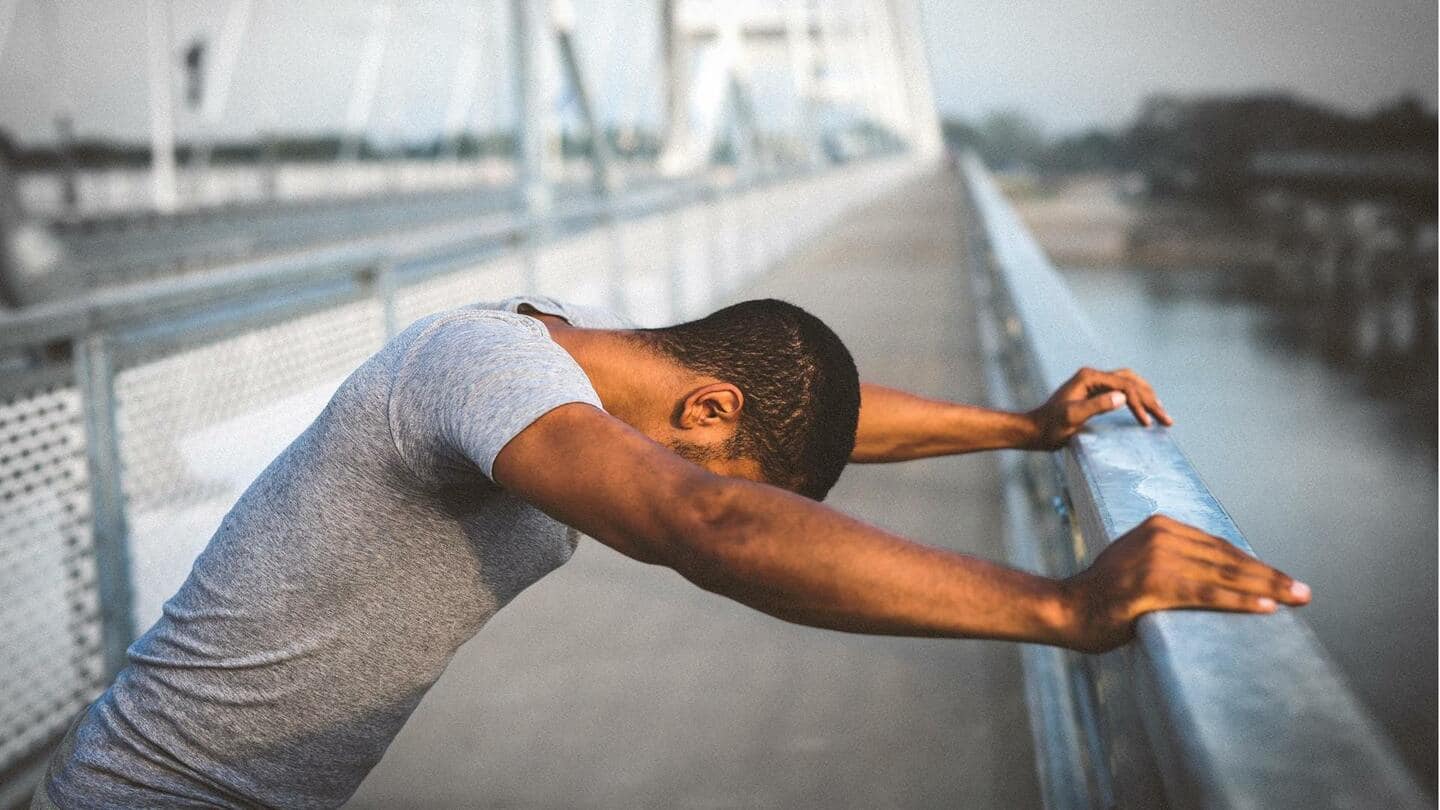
x=341, y=583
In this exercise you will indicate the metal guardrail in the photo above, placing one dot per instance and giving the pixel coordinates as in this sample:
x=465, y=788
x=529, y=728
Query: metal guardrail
x=1203, y=709
x=131, y=418
x=150, y=301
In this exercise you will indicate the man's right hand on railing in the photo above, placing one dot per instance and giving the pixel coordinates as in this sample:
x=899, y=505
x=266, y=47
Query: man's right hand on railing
x=1164, y=564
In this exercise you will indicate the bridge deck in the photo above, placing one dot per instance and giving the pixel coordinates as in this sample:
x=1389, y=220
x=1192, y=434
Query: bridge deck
x=615, y=684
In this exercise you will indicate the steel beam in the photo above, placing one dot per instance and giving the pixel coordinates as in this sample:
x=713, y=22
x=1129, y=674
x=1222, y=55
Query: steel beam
x=110, y=533
x=162, y=106
x=601, y=161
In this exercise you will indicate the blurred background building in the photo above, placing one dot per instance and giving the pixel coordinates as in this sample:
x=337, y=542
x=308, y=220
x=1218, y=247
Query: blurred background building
x=210, y=212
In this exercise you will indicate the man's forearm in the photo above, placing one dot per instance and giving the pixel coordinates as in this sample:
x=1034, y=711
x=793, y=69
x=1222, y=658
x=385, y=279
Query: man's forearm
x=791, y=558
x=896, y=426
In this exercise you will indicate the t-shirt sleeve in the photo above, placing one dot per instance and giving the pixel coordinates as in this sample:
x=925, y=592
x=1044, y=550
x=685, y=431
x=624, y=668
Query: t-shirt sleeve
x=473, y=380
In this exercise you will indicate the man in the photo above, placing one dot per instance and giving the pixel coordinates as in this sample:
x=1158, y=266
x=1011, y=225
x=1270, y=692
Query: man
x=440, y=481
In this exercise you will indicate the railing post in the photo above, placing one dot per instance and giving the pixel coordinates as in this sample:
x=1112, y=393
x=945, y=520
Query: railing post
x=712, y=244
x=615, y=238
x=530, y=22
x=95, y=372
x=675, y=257
x=381, y=279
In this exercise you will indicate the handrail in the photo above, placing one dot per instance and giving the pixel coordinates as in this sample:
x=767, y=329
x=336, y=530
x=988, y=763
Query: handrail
x=1203, y=709
x=134, y=304
x=130, y=304
x=64, y=363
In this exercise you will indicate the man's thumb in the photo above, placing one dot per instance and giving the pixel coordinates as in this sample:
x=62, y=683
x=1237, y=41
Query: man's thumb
x=1098, y=404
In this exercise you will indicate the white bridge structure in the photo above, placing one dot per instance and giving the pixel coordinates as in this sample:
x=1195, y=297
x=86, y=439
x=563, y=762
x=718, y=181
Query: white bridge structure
x=172, y=322
x=172, y=325
x=778, y=82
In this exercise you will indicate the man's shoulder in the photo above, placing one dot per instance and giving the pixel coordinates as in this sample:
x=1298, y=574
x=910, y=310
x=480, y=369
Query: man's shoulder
x=456, y=333
x=585, y=316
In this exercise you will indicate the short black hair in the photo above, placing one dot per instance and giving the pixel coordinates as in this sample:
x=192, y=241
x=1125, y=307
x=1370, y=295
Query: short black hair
x=802, y=393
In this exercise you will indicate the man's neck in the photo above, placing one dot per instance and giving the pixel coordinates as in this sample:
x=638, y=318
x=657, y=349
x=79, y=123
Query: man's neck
x=625, y=374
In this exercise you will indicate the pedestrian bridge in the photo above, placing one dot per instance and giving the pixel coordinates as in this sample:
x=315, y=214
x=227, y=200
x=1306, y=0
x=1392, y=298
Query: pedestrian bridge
x=177, y=325
x=133, y=418
x=622, y=685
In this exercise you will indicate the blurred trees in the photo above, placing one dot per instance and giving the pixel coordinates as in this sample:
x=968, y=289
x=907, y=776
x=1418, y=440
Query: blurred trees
x=1011, y=140
x=1205, y=146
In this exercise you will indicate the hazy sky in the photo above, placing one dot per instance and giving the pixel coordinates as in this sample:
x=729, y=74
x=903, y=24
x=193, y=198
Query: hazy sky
x=1067, y=64
x=1076, y=63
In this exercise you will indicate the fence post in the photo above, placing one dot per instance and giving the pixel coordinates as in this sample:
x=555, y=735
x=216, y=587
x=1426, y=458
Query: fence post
x=675, y=255
x=382, y=280
x=94, y=364
x=715, y=252
x=617, y=295
x=530, y=22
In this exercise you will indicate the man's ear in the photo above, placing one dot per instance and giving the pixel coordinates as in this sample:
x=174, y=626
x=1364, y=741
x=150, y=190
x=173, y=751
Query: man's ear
x=711, y=405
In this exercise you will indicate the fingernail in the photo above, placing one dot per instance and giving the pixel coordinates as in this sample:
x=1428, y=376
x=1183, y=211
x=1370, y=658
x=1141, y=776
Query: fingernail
x=1117, y=399
x=1265, y=603
x=1299, y=590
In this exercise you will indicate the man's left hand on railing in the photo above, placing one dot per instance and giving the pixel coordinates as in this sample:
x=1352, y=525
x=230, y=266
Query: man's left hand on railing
x=1088, y=394
x=899, y=426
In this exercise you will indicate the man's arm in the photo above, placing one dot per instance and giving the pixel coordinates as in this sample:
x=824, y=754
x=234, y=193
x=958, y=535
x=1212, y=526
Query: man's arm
x=803, y=562
x=896, y=426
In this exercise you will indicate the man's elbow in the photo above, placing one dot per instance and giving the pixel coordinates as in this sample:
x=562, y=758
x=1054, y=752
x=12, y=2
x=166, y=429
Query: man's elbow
x=707, y=528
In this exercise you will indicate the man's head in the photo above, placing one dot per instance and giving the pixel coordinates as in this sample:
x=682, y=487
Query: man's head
x=783, y=394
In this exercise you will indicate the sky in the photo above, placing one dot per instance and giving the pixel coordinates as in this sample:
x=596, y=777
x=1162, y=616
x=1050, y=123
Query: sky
x=1073, y=64
x=1067, y=65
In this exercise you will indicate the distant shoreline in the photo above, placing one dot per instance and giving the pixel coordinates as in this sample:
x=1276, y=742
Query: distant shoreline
x=1090, y=221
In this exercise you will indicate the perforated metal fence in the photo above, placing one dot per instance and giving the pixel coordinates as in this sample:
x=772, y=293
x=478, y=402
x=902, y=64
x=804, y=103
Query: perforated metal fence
x=134, y=455
x=196, y=426
x=49, y=615
x=487, y=280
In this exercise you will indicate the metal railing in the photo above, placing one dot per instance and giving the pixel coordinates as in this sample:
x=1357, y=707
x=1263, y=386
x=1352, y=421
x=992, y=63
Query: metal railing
x=1203, y=709
x=131, y=419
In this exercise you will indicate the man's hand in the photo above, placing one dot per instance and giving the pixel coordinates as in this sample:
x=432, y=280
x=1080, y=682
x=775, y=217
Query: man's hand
x=1163, y=564
x=1090, y=393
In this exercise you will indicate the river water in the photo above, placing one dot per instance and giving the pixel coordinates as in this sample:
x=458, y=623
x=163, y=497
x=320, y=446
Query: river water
x=1329, y=481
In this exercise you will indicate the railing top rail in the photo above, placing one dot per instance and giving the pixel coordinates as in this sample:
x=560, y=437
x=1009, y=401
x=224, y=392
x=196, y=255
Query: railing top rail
x=132, y=305
x=1241, y=711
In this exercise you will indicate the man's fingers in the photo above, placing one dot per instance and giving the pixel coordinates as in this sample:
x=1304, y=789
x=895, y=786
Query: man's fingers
x=1099, y=381
x=1190, y=593
x=1212, y=597
x=1203, y=559
x=1137, y=407
x=1159, y=410
x=1234, y=564
x=1140, y=396
x=1152, y=404
x=1254, y=578
x=1076, y=413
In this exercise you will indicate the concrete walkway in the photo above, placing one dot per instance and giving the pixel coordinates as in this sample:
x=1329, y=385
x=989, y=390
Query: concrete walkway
x=614, y=684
